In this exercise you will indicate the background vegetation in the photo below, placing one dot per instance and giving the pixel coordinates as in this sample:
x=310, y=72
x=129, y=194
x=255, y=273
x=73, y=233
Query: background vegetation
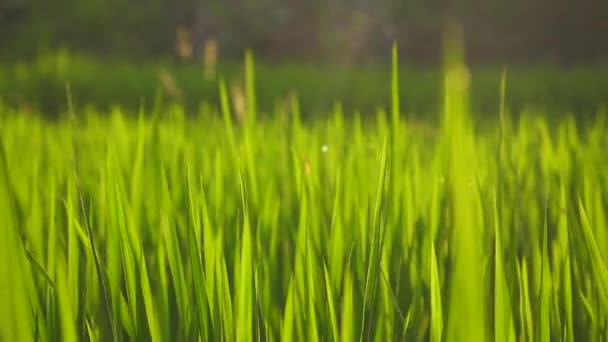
x=40, y=87
x=146, y=51
x=153, y=187
x=228, y=226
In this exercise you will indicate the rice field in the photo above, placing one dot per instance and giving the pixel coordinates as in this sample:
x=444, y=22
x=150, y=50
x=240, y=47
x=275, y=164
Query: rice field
x=163, y=226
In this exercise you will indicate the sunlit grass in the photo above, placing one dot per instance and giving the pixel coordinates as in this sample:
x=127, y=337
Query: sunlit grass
x=162, y=226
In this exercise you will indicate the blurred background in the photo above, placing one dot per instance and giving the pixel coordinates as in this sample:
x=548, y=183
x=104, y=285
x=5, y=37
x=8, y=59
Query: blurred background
x=133, y=52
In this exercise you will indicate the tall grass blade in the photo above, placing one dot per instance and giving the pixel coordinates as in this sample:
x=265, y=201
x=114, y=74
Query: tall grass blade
x=503, y=319
x=436, y=308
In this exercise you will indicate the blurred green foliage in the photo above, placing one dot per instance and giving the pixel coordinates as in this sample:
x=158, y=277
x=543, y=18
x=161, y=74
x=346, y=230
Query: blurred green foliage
x=40, y=86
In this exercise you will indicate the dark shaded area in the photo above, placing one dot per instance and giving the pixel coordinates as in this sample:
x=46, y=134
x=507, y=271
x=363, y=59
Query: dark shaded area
x=343, y=31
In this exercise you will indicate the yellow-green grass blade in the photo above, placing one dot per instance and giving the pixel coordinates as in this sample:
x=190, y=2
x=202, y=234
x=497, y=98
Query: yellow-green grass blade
x=250, y=87
x=376, y=243
x=67, y=314
x=600, y=273
x=149, y=304
x=395, y=106
x=525, y=310
x=173, y=254
x=566, y=265
x=436, y=307
x=196, y=266
x=347, y=325
x=330, y=302
x=503, y=317
x=467, y=281
x=17, y=316
x=244, y=288
x=96, y=259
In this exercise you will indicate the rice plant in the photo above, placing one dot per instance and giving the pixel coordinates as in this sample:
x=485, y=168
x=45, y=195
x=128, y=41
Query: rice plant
x=165, y=226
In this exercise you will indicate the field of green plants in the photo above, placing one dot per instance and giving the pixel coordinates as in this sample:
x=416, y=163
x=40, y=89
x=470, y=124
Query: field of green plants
x=222, y=226
x=38, y=85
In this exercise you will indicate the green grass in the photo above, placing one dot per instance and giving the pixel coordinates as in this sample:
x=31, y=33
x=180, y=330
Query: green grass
x=162, y=226
x=39, y=85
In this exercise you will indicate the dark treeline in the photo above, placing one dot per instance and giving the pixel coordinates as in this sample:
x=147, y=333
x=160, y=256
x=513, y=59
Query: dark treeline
x=344, y=31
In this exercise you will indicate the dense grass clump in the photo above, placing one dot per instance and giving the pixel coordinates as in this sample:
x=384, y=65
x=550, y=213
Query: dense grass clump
x=165, y=227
